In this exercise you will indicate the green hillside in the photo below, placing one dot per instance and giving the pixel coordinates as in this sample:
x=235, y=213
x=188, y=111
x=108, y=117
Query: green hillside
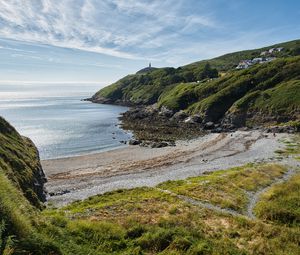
x=21, y=195
x=19, y=161
x=217, y=91
x=272, y=88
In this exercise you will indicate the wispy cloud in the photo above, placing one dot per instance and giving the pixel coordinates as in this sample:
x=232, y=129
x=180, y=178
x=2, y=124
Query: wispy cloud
x=117, y=28
x=166, y=32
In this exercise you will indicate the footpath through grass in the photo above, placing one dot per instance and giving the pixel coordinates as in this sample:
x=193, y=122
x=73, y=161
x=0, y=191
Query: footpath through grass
x=151, y=221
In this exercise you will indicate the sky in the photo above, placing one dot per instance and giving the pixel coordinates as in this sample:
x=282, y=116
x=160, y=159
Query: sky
x=100, y=41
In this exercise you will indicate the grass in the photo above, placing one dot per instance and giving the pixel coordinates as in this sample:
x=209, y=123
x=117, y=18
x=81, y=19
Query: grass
x=18, y=224
x=292, y=147
x=151, y=221
x=274, y=101
x=281, y=203
x=19, y=199
x=19, y=161
x=267, y=89
x=227, y=189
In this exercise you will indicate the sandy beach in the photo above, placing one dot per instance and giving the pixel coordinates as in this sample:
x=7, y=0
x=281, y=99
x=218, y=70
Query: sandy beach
x=76, y=178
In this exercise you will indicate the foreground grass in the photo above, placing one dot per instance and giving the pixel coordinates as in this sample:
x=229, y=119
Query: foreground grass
x=227, y=189
x=151, y=221
x=281, y=204
x=292, y=147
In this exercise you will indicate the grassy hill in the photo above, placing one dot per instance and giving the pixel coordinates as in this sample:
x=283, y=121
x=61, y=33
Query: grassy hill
x=215, y=90
x=19, y=161
x=21, y=195
x=270, y=89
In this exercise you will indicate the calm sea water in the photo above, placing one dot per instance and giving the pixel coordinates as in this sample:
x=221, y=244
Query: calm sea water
x=58, y=122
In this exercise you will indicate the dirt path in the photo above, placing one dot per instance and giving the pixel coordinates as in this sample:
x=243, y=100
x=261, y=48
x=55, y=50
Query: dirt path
x=254, y=197
x=77, y=178
x=206, y=205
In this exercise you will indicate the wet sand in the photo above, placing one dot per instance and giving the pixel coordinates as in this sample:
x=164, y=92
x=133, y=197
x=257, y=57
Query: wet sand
x=77, y=178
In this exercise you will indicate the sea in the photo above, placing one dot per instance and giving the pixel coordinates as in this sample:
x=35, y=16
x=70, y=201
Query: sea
x=60, y=124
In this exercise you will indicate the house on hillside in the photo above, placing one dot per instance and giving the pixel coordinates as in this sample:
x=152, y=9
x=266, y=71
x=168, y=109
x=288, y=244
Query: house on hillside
x=257, y=60
x=244, y=64
x=271, y=51
x=264, y=53
x=269, y=59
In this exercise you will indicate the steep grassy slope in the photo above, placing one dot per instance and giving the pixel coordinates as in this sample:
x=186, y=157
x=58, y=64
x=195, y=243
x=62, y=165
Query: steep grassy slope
x=263, y=88
x=21, y=193
x=237, y=95
x=19, y=161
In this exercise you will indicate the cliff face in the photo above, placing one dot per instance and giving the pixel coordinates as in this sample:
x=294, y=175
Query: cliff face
x=19, y=161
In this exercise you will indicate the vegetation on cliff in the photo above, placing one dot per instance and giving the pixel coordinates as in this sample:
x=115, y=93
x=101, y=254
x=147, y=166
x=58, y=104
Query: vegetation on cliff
x=216, y=91
x=21, y=195
x=19, y=161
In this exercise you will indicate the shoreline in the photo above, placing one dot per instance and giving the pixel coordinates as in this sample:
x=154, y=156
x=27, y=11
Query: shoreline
x=77, y=178
x=81, y=154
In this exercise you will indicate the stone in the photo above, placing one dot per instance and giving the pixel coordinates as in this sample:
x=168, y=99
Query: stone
x=209, y=125
x=218, y=130
x=159, y=144
x=164, y=111
x=134, y=142
x=195, y=119
x=180, y=116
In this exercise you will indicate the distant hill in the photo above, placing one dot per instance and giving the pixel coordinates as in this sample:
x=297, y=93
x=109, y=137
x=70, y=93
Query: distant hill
x=215, y=89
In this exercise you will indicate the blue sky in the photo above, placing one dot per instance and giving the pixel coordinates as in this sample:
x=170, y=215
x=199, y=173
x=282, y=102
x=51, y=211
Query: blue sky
x=102, y=40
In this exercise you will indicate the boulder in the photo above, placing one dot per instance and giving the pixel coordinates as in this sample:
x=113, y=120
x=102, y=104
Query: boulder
x=159, y=144
x=209, y=125
x=194, y=119
x=180, y=116
x=217, y=130
x=228, y=127
x=164, y=111
x=197, y=118
x=134, y=142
